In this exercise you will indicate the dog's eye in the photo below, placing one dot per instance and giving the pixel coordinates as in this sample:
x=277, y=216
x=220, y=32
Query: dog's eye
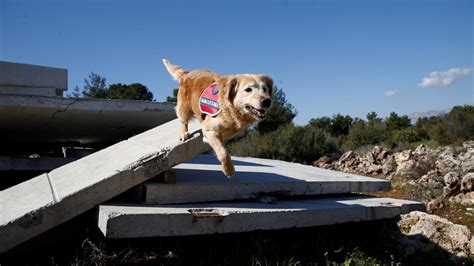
x=248, y=89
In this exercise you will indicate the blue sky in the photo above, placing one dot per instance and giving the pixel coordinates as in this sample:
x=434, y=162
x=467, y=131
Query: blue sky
x=329, y=56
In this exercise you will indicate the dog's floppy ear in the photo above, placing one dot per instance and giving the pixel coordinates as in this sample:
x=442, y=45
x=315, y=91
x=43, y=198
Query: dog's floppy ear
x=228, y=85
x=268, y=82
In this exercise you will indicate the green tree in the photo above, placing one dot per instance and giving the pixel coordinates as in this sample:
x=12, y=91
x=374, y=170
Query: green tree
x=366, y=133
x=281, y=113
x=372, y=117
x=455, y=127
x=134, y=91
x=323, y=123
x=340, y=125
x=395, y=122
x=95, y=86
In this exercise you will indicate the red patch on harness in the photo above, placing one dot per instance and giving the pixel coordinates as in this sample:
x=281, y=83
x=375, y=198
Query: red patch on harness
x=209, y=100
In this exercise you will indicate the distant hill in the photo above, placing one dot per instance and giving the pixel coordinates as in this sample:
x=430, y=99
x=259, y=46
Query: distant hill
x=415, y=116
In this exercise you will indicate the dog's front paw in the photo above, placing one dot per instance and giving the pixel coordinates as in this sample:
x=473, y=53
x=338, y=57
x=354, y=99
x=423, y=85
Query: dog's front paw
x=229, y=170
x=184, y=136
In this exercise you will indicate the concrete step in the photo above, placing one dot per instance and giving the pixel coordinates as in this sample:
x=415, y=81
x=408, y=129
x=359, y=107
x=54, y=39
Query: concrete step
x=125, y=220
x=201, y=180
x=34, y=206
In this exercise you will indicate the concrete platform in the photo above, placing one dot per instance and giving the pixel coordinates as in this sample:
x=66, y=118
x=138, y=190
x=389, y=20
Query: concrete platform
x=34, y=206
x=135, y=221
x=32, y=79
x=201, y=180
x=80, y=121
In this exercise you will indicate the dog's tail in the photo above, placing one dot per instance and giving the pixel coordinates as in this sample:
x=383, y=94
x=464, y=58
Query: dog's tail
x=176, y=72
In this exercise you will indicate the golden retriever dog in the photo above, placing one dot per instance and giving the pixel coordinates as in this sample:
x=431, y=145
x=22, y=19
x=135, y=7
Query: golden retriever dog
x=224, y=105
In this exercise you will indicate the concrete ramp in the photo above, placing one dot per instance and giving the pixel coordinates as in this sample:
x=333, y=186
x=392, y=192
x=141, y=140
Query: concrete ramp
x=32, y=207
x=134, y=220
x=200, y=180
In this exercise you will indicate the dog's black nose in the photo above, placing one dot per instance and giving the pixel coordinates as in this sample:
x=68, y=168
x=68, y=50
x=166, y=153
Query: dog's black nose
x=266, y=103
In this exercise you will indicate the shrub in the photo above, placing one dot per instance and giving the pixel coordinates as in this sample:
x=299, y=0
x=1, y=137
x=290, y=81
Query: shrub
x=289, y=143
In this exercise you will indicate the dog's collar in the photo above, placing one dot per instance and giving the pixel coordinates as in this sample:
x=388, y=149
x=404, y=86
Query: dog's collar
x=209, y=100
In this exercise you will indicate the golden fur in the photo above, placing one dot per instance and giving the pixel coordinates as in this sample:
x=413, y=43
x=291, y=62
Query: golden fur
x=244, y=100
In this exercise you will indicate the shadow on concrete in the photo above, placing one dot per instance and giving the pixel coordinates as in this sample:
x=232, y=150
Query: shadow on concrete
x=208, y=176
x=212, y=160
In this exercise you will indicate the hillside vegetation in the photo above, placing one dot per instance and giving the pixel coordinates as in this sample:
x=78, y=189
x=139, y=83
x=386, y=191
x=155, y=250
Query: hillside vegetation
x=279, y=138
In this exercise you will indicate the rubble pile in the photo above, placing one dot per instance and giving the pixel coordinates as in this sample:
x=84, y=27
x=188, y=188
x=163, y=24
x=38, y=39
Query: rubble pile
x=450, y=169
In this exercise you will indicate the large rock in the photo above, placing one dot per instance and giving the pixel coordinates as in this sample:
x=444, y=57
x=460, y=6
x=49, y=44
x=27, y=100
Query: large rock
x=418, y=227
x=323, y=162
x=464, y=199
x=389, y=165
x=403, y=156
x=347, y=156
x=448, y=161
x=467, y=183
x=431, y=180
x=468, y=144
x=467, y=161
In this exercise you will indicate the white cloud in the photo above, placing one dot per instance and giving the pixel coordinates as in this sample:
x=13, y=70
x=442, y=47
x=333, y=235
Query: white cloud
x=390, y=93
x=444, y=78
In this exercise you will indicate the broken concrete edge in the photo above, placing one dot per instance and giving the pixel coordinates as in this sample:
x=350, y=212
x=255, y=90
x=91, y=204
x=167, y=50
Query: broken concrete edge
x=117, y=220
x=36, y=216
x=27, y=75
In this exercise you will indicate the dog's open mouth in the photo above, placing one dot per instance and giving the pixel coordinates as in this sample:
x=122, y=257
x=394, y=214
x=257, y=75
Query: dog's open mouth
x=257, y=113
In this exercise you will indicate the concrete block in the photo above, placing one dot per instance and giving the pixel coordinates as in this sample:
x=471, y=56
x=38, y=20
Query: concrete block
x=86, y=122
x=89, y=181
x=25, y=75
x=201, y=180
x=126, y=220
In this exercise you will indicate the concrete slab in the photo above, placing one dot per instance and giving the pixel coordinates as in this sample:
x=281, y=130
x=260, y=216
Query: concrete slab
x=39, y=204
x=201, y=180
x=84, y=122
x=26, y=75
x=134, y=221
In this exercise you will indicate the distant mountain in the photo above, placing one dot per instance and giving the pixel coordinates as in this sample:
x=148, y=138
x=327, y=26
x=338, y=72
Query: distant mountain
x=415, y=116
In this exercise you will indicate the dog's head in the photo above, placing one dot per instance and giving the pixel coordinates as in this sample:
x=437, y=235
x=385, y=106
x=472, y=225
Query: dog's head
x=250, y=94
